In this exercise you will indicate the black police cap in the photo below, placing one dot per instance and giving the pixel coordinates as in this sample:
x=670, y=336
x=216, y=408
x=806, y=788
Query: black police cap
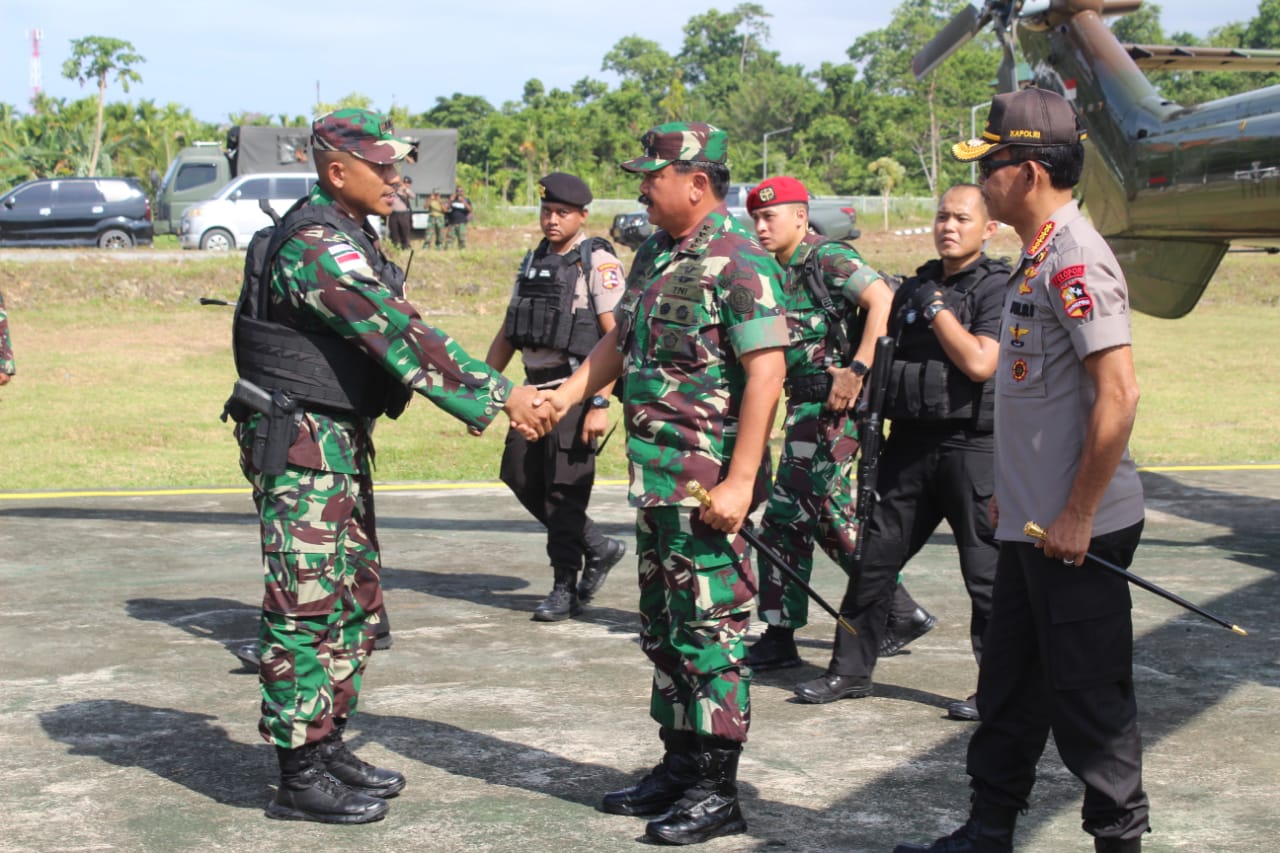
x=564, y=188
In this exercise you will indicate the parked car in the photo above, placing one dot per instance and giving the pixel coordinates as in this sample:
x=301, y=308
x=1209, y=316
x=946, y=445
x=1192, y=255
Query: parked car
x=112, y=213
x=231, y=218
x=828, y=217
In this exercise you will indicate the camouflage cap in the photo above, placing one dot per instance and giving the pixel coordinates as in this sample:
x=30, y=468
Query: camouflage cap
x=364, y=133
x=680, y=140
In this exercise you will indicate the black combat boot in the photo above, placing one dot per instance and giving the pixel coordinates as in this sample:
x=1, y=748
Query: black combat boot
x=710, y=808
x=307, y=792
x=562, y=601
x=989, y=829
x=360, y=776
x=597, y=568
x=1117, y=845
x=665, y=784
x=776, y=649
x=907, y=621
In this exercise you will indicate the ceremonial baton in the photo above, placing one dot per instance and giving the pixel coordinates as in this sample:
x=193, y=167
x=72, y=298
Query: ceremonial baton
x=605, y=440
x=1035, y=531
x=704, y=498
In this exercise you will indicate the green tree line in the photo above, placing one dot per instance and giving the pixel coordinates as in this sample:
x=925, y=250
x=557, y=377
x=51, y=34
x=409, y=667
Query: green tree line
x=843, y=117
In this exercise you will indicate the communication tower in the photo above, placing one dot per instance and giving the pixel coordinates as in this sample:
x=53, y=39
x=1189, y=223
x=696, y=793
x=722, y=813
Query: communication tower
x=37, y=35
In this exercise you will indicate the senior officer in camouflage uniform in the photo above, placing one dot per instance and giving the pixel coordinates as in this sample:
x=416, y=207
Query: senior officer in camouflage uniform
x=561, y=305
x=699, y=347
x=812, y=495
x=6, y=347
x=1058, y=652
x=331, y=290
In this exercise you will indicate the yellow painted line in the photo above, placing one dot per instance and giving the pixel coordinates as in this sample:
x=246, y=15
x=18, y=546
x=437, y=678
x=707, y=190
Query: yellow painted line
x=244, y=490
x=458, y=486
x=1160, y=469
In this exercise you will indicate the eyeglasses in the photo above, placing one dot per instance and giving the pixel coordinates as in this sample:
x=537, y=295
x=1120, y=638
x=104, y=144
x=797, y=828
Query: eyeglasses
x=987, y=168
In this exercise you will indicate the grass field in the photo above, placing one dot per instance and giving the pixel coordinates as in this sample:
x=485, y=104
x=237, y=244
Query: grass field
x=121, y=374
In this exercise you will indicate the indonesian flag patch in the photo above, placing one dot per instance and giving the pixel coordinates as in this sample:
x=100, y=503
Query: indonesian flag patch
x=346, y=256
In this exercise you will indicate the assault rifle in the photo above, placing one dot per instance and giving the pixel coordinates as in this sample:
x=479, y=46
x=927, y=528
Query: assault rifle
x=870, y=435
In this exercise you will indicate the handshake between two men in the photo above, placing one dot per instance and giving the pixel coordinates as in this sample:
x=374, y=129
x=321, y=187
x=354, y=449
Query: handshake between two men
x=534, y=412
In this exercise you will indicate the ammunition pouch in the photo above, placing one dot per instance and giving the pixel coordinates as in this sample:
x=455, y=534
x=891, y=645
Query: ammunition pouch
x=810, y=388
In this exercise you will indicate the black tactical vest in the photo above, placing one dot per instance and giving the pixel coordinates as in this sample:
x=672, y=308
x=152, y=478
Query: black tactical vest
x=541, y=311
x=923, y=383
x=319, y=369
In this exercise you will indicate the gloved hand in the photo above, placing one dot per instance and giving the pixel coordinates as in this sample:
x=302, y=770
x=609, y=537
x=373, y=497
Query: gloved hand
x=924, y=296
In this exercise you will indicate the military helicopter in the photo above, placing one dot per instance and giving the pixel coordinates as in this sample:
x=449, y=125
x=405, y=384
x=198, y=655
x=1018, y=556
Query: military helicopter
x=1169, y=186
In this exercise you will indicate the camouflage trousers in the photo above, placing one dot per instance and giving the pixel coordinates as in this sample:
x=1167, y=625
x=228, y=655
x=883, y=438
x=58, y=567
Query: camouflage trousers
x=813, y=500
x=457, y=232
x=696, y=587
x=435, y=233
x=321, y=600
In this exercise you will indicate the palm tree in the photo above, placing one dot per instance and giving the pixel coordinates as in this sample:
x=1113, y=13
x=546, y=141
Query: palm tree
x=94, y=58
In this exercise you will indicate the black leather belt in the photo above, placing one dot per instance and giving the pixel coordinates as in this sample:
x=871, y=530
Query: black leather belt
x=543, y=375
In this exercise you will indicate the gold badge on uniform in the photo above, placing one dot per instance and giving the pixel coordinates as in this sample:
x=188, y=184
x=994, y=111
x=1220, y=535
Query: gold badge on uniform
x=767, y=194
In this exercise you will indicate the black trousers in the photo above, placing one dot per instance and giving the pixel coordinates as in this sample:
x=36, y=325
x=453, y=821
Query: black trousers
x=400, y=224
x=927, y=473
x=552, y=478
x=1059, y=657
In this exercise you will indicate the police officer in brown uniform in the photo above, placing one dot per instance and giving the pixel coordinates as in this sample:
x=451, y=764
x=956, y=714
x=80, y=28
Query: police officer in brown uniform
x=1058, y=651
x=562, y=304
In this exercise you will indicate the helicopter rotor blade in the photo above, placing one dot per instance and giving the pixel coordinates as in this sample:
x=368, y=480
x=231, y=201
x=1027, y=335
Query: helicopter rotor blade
x=1007, y=74
x=956, y=34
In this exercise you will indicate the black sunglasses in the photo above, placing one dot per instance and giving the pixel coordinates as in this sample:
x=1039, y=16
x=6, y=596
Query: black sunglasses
x=987, y=168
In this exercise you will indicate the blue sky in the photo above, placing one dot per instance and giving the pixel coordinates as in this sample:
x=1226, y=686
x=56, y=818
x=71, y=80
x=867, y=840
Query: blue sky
x=232, y=55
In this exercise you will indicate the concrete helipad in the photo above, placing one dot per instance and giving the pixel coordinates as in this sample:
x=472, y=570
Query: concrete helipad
x=126, y=724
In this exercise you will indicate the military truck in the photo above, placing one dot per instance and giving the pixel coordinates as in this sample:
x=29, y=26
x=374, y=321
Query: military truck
x=199, y=171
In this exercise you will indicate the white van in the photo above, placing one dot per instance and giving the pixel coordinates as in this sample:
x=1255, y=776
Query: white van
x=231, y=218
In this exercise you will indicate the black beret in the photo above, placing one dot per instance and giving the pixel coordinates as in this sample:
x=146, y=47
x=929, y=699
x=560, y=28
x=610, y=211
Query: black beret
x=564, y=188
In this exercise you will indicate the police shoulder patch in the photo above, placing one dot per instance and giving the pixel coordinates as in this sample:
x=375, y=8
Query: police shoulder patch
x=1076, y=301
x=610, y=275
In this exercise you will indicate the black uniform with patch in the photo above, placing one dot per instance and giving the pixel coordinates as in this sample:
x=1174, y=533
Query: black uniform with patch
x=935, y=464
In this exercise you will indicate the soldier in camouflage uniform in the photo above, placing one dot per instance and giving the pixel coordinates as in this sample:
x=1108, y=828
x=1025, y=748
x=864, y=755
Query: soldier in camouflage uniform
x=6, y=348
x=813, y=497
x=435, y=222
x=330, y=285
x=698, y=347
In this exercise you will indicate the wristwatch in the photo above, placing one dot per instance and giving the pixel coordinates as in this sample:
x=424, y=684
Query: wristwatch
x=859, y=369
x=932, y=310
x=599, y=402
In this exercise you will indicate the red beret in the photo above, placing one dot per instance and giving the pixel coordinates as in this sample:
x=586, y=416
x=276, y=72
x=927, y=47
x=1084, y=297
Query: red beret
x=779, y=190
